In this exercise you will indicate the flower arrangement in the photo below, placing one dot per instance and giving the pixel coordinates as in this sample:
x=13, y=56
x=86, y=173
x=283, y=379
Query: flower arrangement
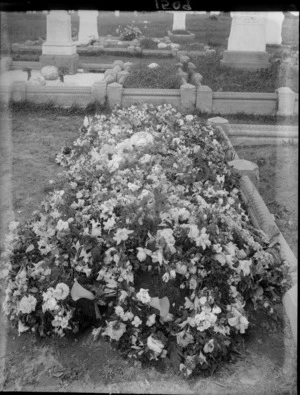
x=129, y=32
x=150, y=233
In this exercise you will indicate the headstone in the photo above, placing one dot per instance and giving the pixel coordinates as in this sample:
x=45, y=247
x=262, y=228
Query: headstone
x=247, y=41
x=117, y=13
x=135, y=13
x=88, y=26
x=59, y=49
x=274, y=28
x=179, y=20
x=212, y=13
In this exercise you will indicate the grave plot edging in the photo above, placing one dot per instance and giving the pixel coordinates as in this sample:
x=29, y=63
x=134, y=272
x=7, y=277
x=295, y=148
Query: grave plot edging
x=262, y=219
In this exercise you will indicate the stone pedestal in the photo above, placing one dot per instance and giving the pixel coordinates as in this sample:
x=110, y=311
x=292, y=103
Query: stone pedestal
x=274, y=28
x=88, y=26
x=179, y=20
x=59, y=49
x=247, y=41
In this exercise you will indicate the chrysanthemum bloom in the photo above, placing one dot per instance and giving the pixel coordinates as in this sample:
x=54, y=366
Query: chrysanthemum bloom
x=143, y=296
x=27, y=304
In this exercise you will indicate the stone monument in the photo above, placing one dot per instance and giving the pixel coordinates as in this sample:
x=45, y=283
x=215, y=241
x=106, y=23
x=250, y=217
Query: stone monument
x=59, y=49
x=179, y=20
x=274, y=28
x=247, y=41
x=88, y=26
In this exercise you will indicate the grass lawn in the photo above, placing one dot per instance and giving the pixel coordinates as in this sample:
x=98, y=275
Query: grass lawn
x=267, y=362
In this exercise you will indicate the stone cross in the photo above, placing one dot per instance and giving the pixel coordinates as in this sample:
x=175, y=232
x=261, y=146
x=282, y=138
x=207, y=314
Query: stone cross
x=179, y=20
x=88, y=26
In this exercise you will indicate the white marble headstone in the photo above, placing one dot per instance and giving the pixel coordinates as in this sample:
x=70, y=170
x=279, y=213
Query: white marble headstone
x=274, y=27
x=59, y=38
x=117, y=13
x=179, y=20
x=88, y=26
x=248, y=32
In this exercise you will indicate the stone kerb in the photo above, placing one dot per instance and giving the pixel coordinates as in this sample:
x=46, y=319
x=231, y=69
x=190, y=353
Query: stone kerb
x=262, y=219
x=188, y=97
x=114, y=94
x=204, y=99
x=286, y=101
x=99, y=92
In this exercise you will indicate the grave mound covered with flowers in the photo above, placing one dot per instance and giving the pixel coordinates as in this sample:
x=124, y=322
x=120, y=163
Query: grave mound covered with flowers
x=147, y=242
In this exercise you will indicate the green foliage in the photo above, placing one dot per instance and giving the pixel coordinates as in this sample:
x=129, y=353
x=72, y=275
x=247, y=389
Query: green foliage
x=148, y=43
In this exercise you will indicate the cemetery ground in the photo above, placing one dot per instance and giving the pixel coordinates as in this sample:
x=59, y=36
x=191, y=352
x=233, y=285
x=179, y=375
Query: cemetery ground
x=267, y=361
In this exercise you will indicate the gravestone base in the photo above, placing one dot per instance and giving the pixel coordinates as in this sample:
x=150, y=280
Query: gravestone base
x=246, y=60
x=69, y=61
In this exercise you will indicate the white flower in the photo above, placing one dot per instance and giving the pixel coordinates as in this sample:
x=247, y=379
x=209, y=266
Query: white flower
x=216, y=310
x=141, y=139
x=122, y=235
x=166, y=277
x=142, y=253
x=123, y=296
x=155, y=345
x=119, y=311
x=61, y=291
x=209, y=347
x=203, y=300
x=62, y=225
x=184, y=338
x=189, y=118
x=114, y=330
x=153, y=65
x=109, y=224
x=244, y=266
x=128, y=316
x=50, y=304
x=136, y=321
x=143, y=296
x=151, y=320
x=27, y=304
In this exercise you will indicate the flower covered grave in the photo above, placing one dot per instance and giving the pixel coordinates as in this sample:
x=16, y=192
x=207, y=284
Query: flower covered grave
x=147, y=242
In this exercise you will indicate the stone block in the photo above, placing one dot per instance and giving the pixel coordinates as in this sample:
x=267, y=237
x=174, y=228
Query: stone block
x=50, y=72
x=118, y=62
x=117, y=68
x=188, y=97
x=204, y=99
x=286, y=101
x=290, y=302
x=18, y=92
x=114, y=94
x=219, y=121
x=69, y=62
x=99, y=89
x=121, y=76
x=246, y=59
x=111, y=77
x=246, y=168
x=5, y=64
x=248, y=32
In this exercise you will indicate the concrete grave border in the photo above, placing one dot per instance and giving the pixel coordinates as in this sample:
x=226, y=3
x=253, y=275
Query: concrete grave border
x=262, y=219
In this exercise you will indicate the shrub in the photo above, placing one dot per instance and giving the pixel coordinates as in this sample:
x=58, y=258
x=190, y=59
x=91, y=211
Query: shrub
x=128, y=32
